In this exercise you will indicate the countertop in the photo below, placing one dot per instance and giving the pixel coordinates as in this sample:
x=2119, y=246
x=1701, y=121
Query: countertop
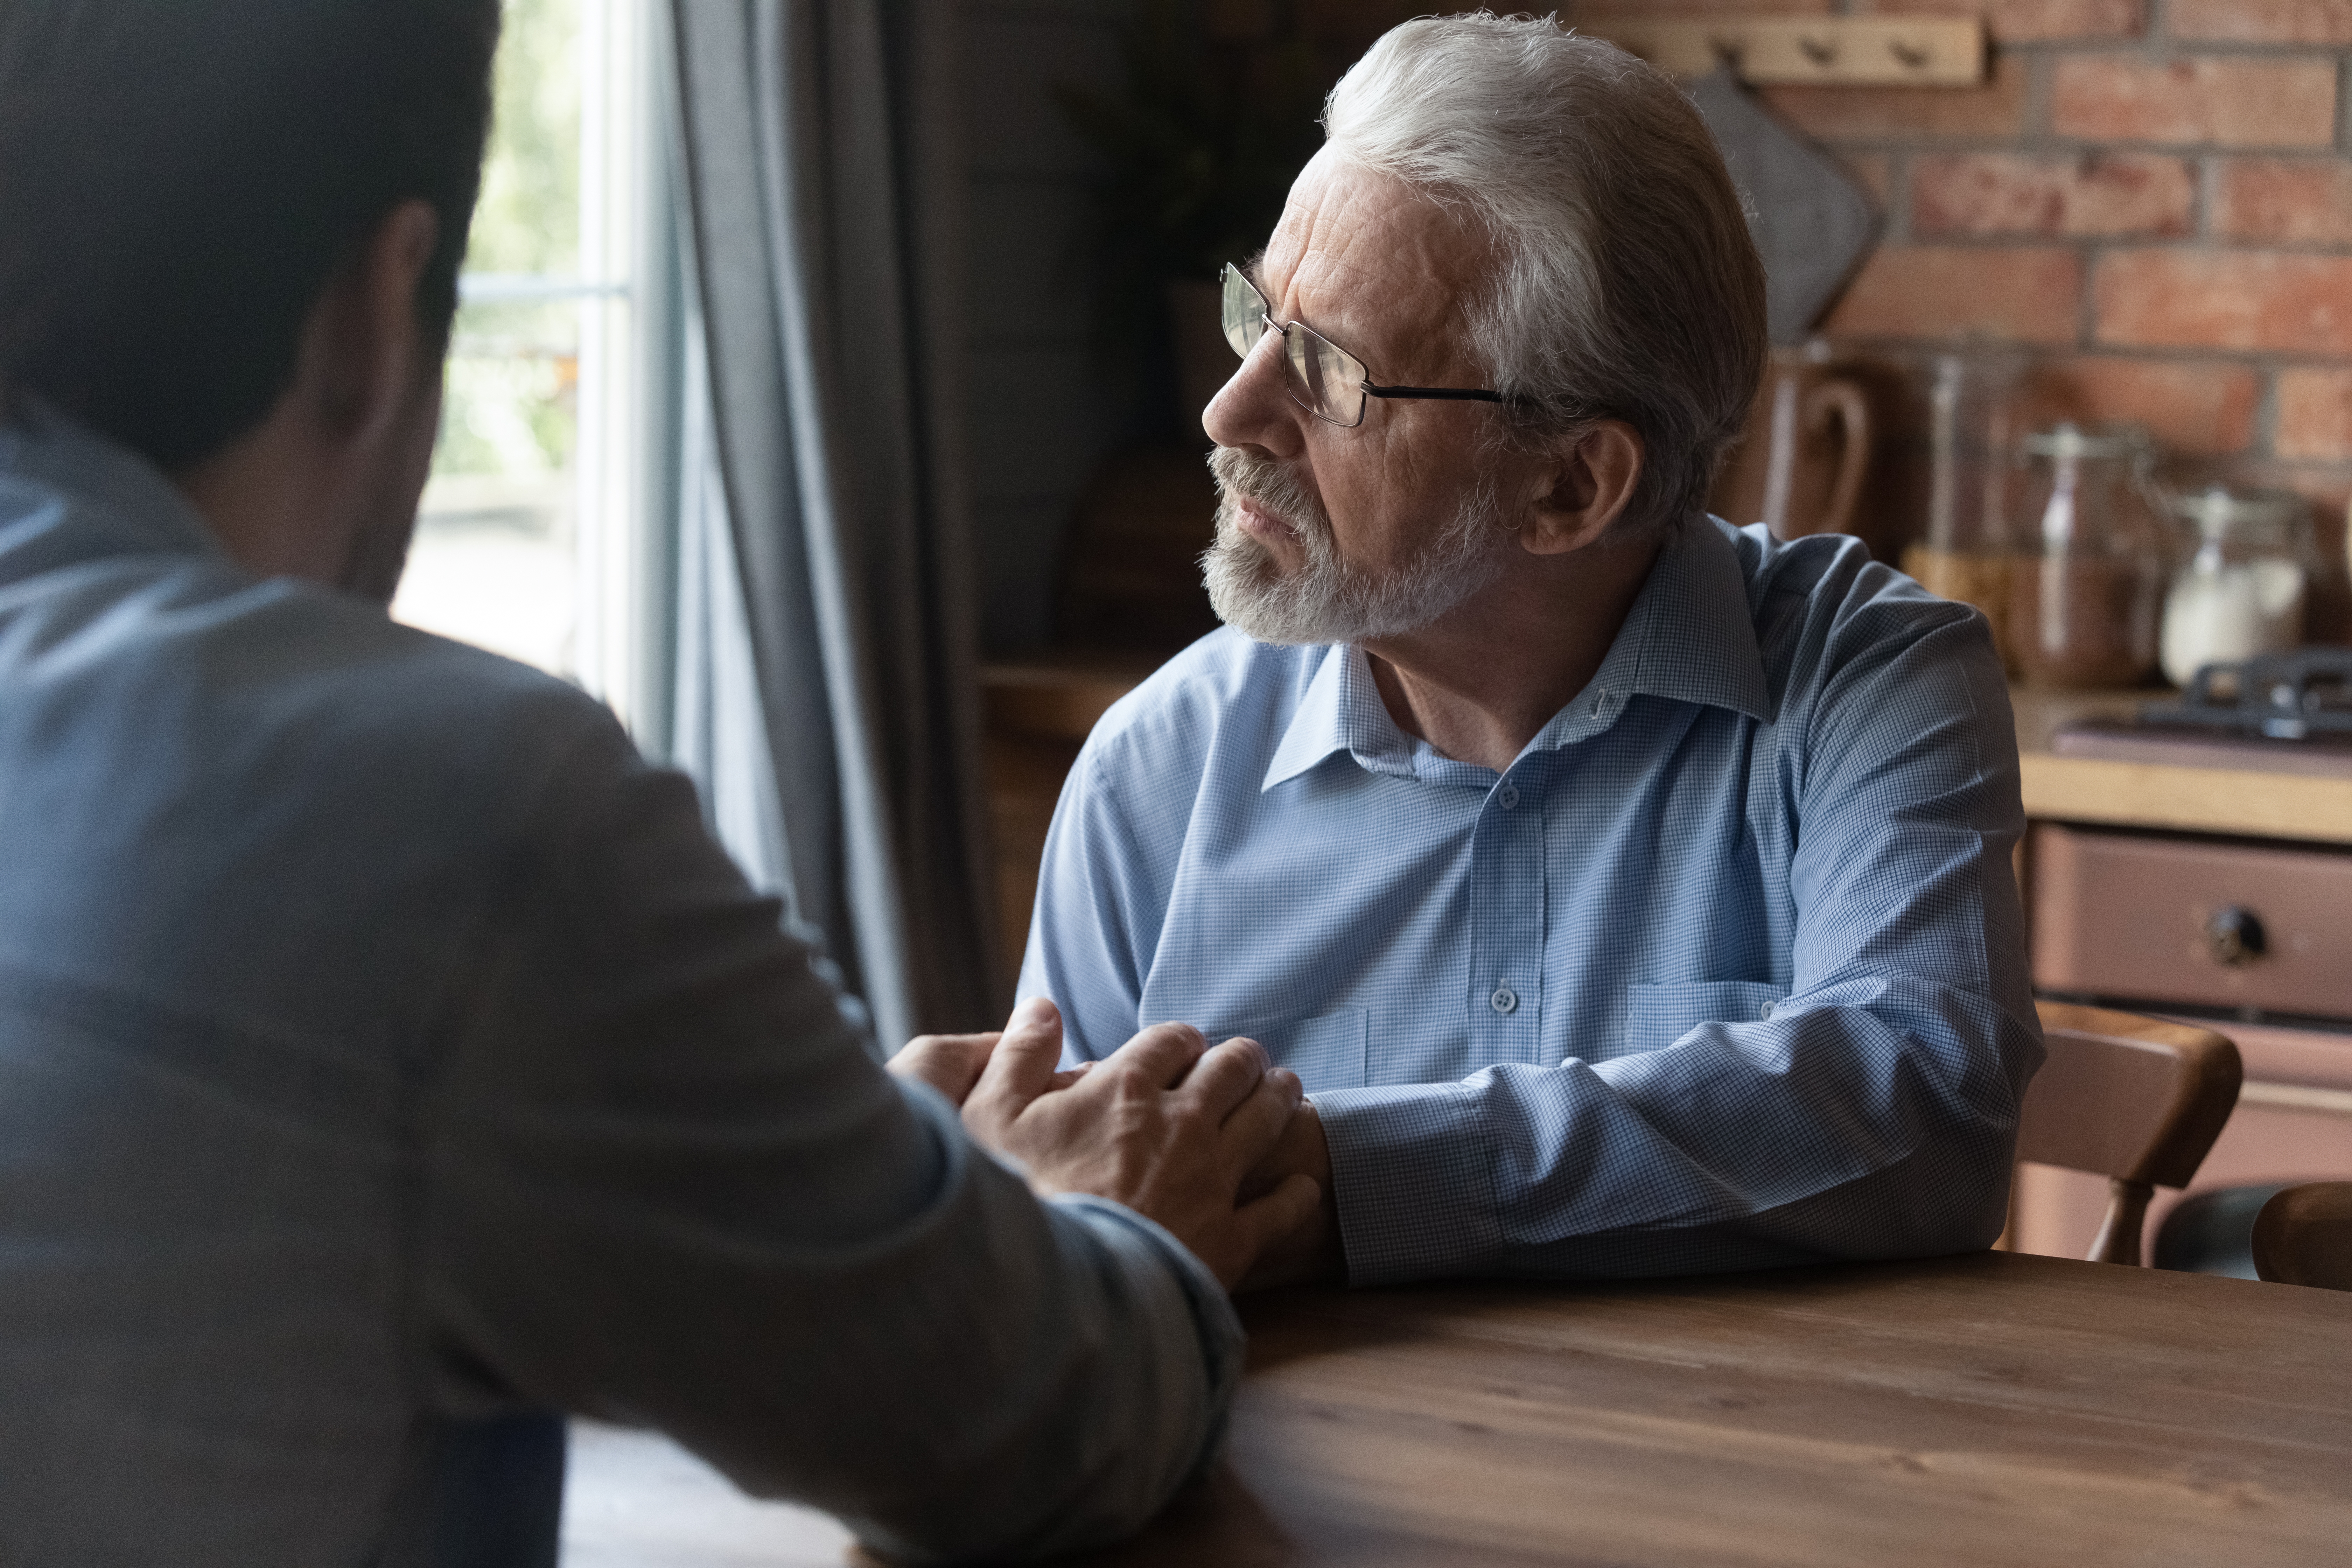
x=2148, y=795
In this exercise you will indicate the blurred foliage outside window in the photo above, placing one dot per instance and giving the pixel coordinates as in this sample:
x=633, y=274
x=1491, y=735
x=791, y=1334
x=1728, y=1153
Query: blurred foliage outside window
x=494, y=560
x=514, y=367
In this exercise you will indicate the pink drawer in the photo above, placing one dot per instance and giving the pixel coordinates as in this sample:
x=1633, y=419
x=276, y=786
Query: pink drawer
x=2194, y=921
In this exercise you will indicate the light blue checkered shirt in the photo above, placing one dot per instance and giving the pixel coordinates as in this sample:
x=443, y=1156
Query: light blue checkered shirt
x=1727, y=969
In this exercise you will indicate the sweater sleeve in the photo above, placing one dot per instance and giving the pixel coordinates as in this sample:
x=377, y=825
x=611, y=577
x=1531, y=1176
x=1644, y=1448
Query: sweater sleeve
x=667, y=1183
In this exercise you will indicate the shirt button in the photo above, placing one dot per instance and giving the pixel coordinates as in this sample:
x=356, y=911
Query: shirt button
x=1765, y=1012
x=1504, y=1000
x=1508, y=799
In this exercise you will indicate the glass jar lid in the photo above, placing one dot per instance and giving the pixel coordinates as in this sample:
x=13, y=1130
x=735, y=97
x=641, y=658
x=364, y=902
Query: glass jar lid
x=2219, y=512
x=2067, y=440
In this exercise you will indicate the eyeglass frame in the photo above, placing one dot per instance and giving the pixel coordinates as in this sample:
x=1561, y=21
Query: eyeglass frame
x=1368, y=386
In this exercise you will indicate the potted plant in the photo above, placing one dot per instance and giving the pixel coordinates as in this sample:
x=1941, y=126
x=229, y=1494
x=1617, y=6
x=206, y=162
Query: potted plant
x=1216, y=116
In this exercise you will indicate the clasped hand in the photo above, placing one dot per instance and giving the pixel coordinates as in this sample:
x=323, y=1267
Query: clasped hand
x=1168, y=1125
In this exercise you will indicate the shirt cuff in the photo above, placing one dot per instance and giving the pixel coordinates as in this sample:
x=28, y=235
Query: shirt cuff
x=1414, y=1182
x=1224, y=1346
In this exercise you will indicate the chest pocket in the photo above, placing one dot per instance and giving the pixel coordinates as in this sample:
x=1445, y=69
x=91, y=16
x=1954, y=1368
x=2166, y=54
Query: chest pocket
x=1326, y=1052
x=1658, y=1016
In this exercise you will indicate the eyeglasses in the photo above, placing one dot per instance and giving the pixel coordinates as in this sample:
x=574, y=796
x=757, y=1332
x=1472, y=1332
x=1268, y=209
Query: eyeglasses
x=1324, y=379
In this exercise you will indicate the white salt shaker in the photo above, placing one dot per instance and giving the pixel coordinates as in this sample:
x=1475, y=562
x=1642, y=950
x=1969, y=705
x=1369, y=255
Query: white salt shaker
x=2241, y=592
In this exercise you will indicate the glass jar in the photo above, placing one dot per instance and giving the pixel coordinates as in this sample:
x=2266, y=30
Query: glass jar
x=2242, y=591
x=2095, y=555
x=1966, y=551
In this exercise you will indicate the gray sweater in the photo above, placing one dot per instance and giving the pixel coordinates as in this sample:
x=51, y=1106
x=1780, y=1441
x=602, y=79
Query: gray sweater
x=386, y=1049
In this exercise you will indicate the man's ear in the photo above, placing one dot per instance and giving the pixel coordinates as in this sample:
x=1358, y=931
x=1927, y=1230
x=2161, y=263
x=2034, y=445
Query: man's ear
x=363, y=347
x=1583, y=491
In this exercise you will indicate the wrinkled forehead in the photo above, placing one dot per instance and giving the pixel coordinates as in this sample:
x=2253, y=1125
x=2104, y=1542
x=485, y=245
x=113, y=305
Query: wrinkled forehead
x=1364, y=252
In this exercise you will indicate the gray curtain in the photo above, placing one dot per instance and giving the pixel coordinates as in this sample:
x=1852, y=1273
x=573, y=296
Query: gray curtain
x=827, y=694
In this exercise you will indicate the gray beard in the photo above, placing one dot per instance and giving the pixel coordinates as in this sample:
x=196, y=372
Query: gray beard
x=1328, y=599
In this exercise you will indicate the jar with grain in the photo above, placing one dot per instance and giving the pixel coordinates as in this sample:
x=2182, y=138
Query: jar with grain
x=2095, y=552
x=1965, y=553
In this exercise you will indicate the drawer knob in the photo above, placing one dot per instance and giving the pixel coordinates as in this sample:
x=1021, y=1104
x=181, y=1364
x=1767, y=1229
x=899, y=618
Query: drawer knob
x=2234, y=935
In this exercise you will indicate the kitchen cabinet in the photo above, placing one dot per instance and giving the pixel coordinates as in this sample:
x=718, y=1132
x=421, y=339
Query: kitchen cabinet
x=2225, y=893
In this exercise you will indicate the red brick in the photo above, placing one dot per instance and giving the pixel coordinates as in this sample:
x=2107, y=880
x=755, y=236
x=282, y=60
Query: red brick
x=2287, y=201
x=2315, y=415
x=2225, y=299
x=2028, y=21
x=2202, y=409
x=2228, y=101
x=1995, y=109
x=2264, y=21
x=2028, y=294
x=2088, y=193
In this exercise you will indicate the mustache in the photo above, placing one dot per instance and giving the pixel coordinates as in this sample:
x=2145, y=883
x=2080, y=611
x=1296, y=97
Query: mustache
x=1273, y=487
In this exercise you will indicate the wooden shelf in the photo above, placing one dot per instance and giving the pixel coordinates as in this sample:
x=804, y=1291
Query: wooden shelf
x=1845, y=51
x=1058, y=696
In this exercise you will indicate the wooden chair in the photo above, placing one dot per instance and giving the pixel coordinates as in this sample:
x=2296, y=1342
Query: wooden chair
x=2135, y=1099
x=2304, y=1236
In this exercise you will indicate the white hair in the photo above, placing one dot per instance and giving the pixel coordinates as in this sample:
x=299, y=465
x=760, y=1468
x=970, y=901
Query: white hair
x=1628, y=287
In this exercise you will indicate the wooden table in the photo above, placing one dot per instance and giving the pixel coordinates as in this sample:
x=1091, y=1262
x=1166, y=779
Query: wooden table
x=1989, y=1409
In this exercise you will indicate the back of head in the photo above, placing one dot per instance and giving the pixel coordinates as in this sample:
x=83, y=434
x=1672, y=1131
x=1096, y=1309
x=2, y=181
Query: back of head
x=179, y=179
x=1629, y=286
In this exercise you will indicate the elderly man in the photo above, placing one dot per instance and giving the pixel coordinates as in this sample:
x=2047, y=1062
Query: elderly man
x=1631, y=892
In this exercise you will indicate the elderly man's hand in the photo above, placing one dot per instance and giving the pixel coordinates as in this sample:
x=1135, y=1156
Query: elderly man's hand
x=1310, y=1252
x=1165, y=1125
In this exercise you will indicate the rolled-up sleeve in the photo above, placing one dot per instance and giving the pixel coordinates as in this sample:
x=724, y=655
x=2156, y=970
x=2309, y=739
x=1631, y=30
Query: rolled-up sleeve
x=666, y=1183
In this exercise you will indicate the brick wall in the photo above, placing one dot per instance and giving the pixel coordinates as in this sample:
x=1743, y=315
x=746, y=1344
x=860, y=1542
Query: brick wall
x=2155, y=194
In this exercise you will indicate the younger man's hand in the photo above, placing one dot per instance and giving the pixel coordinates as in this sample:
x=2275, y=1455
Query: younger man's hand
x=948, y=1063
x=1165, y=1125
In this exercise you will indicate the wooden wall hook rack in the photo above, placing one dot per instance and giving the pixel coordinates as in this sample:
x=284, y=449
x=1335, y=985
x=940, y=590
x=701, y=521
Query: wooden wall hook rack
x=1876, y=51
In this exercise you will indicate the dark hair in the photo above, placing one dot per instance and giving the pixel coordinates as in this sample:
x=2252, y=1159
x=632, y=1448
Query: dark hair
x=180, y=179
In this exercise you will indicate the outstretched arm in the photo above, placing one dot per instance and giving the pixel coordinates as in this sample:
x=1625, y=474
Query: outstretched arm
x=667, y=1185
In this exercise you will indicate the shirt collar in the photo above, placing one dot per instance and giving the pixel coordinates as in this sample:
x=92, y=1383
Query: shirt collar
x=1342, y=711
x=47, y=456
x=1690, y=636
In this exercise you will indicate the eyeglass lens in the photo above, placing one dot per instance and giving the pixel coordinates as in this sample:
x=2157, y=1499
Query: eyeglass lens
x=1323, y=378
x=1244, y=311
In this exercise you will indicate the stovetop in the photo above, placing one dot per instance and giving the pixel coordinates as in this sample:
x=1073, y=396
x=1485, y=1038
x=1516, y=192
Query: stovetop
x=2288, y=713
x=2299, y=696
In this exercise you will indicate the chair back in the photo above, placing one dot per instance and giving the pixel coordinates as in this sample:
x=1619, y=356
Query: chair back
x=2135, y=1099
x=2304, y=1236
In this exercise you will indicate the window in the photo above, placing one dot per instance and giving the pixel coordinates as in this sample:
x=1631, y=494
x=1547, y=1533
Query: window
x=541, y=534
